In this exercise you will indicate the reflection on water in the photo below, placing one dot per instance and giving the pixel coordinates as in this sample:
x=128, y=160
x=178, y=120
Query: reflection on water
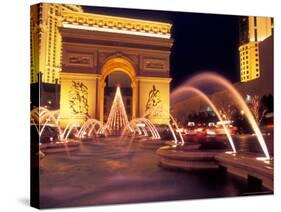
x=106, y=174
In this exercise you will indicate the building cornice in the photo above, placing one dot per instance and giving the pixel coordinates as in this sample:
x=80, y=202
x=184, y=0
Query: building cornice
x=103, y=23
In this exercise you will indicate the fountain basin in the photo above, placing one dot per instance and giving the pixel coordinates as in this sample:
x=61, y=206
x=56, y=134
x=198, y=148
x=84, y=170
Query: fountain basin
x=56, y=147
x=140, y=137
x=150, y=143
x=109, y=140
x=248, y=166
x=190, y=158
x=88, y=139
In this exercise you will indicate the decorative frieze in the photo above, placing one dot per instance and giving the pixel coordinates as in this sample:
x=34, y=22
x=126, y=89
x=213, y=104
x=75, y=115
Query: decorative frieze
x=74, y=59
x=151, y=64
x=91, y=21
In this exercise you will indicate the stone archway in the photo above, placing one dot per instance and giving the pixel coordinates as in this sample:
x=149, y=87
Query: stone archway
x=111, y=65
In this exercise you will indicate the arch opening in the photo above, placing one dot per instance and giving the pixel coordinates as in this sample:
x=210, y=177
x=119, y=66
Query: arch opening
x=117, y=71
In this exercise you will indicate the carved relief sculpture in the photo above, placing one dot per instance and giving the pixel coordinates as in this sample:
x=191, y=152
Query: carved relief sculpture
x=78, y=98
x=154, y=102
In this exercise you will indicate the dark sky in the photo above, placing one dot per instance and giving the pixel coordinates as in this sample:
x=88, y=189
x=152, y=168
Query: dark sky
x=201, y=41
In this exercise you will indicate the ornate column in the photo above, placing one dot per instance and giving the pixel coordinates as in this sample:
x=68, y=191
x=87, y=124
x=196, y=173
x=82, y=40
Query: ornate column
x=134, y=99
x=102, y=85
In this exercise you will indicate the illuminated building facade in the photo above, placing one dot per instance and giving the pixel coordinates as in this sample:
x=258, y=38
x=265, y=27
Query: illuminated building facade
x=253, y=30
x=46, y=40
x=79, y=50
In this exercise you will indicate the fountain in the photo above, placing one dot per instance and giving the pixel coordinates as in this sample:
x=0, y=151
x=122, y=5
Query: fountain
x=158, y=111
x=147, y=137
x=55, y=141
x=41, y=116
x=135, y=124
x=117, y=125
x=211, y=77
x=210, y=103
x=71, y=126
x=88, y=128
x=206, y=157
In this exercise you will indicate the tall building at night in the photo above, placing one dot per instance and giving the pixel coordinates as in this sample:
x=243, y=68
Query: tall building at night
x=45, y=43
x=256, y=68
x=253, y=30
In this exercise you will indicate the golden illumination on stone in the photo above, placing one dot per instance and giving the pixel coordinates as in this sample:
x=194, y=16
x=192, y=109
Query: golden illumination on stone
x=81, y=70
x=161, y=89
x=68, y=91
x=46, y=40
x=89, y=21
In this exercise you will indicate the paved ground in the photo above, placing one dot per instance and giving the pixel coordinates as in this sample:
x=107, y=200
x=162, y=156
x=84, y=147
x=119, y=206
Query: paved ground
x=109, y=173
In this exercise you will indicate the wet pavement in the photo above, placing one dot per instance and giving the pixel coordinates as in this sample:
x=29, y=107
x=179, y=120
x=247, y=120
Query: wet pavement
x=111, y=173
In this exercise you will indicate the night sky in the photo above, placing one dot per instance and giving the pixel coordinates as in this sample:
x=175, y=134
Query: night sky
x=201, y=41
